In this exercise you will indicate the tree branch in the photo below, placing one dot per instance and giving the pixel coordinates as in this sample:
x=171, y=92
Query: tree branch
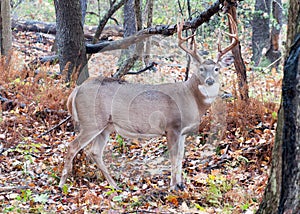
x=165, y=30
x=106, y=17
x=143, y=70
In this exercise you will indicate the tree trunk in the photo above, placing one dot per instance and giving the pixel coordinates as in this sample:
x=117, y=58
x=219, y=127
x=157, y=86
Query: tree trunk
x=5, y=27
x=83, y=5
x=283, y=189
x=128, y=57
x=260, y=29
x=274, y=54
x=70, y=40
x=129, y=18
x=239, y=62
x=149, y=18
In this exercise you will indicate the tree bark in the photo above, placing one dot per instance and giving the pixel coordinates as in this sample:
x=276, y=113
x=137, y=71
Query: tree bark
x=290, y=187
x=5, y=27
x=273, y=53
x=149, y=19
x=128, y=57
x=83, y=5
x=283, y=188
x=70, y=40
x=260, y=29
x=238, y=61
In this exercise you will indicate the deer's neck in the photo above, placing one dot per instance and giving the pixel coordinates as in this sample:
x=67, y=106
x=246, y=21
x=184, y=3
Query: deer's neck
x=204, y=95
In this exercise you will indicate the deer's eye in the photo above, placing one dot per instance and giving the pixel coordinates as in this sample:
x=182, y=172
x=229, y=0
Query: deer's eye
x=201, y=70
x=217, y=69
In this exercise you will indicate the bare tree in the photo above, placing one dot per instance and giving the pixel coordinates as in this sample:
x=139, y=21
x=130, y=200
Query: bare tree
x=260, y=29
x=5, y=27
x=236, y=51
x=113, y=8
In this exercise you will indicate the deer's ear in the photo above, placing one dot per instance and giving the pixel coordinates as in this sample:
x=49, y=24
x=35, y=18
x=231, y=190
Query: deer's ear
x=227, y=60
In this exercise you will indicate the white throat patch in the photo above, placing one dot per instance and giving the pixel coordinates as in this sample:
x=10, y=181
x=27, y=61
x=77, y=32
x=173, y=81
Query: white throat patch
x=210, y=92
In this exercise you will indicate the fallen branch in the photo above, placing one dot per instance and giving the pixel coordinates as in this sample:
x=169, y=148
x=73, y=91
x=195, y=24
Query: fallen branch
x=50, y=28
x=55, y=127
x=143, y=70
x=11, y=188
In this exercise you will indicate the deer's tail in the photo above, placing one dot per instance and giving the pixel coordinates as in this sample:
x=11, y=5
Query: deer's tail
x=71, y=105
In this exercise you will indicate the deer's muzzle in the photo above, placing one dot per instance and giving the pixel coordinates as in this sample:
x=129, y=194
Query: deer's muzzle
x=209, y=81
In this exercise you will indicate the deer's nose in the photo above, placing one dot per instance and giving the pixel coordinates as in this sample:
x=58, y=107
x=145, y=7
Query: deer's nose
x=209, y=81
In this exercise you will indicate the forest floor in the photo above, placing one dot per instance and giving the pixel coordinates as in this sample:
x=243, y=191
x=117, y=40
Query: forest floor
x=225, y=166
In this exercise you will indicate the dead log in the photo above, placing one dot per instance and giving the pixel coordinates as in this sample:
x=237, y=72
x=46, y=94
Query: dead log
x=50, y=28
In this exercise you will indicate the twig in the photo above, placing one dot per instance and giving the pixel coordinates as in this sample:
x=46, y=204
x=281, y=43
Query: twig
x=226, y=149
x=10, y=188
x=272, y=64
x=143, y=70
x=144, y=211
x=54, y=127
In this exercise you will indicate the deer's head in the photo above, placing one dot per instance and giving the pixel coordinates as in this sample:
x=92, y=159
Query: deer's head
x=207, y=71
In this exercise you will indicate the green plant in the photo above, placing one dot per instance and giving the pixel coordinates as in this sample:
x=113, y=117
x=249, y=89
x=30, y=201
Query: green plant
x=42, y=198
x=11, y=209
x=217, y=186
x=65, y=189
x=111, y=191
x=245, y=206
x=26, y=195
x=135, y=201
x=121, y=143
x=27, y=150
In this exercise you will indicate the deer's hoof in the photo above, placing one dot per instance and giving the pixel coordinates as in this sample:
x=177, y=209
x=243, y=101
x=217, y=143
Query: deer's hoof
x=178, y=186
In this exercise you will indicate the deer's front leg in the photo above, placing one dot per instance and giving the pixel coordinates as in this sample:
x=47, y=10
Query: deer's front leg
x=176, y=149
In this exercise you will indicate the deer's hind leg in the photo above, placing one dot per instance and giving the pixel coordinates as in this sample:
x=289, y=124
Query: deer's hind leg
x=96, y=153
x=83, y=139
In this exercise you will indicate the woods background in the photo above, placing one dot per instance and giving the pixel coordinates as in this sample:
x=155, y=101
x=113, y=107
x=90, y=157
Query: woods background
x=50, y=46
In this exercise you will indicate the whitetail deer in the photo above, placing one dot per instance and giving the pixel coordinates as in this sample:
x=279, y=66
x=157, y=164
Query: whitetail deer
x=103, y=105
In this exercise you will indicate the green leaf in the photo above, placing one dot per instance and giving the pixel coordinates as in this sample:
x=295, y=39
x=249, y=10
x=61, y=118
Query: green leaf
x=43, y=198
x=117, y=198
x=274, y=115
x=199, y=207
x=65, y=189
x=17, y=80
